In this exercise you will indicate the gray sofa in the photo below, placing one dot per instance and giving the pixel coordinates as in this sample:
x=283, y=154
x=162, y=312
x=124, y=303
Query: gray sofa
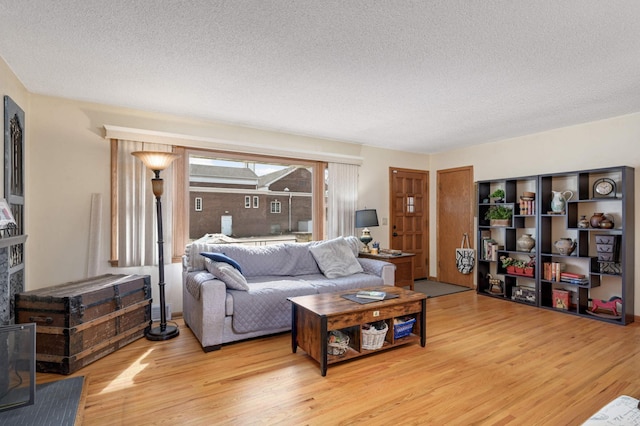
x=222, y=304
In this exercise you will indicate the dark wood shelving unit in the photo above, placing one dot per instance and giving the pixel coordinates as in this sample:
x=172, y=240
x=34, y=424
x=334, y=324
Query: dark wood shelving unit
x=506, y=236
x=605, y=279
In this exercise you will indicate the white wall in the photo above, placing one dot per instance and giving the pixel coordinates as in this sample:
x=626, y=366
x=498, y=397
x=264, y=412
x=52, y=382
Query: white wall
x=373, y=187
x=604, y=143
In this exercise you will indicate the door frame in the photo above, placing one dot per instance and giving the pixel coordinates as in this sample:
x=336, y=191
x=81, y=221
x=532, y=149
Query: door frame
x=471, y=218
x=425, y=209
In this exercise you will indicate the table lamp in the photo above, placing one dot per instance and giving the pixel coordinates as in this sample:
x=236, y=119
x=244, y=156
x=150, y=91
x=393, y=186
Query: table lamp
x=364, y=219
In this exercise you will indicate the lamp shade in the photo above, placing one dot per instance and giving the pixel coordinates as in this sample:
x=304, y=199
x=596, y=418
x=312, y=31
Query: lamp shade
x=366, y=218
x=155, y=160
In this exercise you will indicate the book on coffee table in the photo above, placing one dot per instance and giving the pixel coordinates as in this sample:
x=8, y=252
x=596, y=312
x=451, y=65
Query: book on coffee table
x=376, y=295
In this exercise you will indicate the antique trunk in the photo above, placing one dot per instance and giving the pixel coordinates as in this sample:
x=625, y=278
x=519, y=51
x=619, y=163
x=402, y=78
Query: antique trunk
x=82, y=321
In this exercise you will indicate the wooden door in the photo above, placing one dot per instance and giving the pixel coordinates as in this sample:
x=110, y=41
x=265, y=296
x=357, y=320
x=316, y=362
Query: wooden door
x=455, y=198
x=409, y=216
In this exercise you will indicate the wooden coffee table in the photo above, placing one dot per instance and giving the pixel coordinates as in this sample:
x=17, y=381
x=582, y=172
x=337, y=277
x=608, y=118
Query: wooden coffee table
x=314, y=316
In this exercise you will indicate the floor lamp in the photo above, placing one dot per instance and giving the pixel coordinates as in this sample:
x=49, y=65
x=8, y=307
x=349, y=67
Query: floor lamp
x=158, y=161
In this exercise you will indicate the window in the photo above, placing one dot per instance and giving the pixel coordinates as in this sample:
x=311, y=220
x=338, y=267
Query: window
x=182, y=221
x=242, y=187
x=411, y=208
x=198, y=204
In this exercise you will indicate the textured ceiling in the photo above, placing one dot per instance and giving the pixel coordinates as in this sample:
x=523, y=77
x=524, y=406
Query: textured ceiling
x=423, y=76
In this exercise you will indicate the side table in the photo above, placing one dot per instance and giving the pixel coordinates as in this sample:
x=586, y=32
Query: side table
x=404, y=266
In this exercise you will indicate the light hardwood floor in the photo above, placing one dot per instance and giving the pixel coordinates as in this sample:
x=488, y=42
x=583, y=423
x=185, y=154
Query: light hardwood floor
x=486, y=362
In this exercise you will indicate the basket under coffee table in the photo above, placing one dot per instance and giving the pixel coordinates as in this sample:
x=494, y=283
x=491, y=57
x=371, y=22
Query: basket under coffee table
x=314, y=316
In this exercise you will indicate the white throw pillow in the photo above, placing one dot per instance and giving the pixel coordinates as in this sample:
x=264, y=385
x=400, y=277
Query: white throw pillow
x=355, y=244
x=335, y=258
x=226, y=273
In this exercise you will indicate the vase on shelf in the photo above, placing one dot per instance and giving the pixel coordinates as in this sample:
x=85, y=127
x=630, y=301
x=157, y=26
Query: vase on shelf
x=565, y=246
x=583, y=222
x=525, y=243
x=559, y=200
x=595, y=220
x=606, y=222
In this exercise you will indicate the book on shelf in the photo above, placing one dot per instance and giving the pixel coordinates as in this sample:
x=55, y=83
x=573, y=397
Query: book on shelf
x=551, y=271
x=527, y=207
x=486, y=248
x=494, y=251
x=376, y=295
x=490, y=249
x=575, y=280
x=571, y=275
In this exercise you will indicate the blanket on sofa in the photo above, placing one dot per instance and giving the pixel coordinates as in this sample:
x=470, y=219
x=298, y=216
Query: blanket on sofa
x=265, y=305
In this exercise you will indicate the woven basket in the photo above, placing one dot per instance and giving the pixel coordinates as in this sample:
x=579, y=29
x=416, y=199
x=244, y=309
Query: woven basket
x=372, y=338
x=340, y=343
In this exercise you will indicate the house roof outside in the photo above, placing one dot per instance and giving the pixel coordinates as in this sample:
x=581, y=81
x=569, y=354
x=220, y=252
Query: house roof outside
x=269, y=178
x=201, y=173
x=241, y=176
x=202, y=170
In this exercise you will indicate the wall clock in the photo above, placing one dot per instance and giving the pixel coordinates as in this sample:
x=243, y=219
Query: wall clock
x=604, y=188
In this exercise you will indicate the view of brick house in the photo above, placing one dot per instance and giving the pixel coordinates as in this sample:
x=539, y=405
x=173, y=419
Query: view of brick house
x=235, y=201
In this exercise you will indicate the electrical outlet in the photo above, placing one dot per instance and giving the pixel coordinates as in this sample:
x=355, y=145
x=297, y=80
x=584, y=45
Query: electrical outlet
x=376, y=313
x=385, y=221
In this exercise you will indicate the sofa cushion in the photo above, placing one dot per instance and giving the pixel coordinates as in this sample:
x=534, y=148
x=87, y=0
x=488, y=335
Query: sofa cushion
x=265, y=305
x=221, y=257
x=335, y=258
x=273, y=278
x=229, y=275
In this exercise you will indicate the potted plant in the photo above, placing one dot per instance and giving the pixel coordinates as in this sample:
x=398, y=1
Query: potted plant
x=529, y=267
x=497, y=195
x=519, y=266
x=499, y=215
x=508, y=263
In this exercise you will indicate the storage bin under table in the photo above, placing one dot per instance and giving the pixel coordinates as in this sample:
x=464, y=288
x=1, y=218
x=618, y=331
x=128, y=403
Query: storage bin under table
x=82, y=321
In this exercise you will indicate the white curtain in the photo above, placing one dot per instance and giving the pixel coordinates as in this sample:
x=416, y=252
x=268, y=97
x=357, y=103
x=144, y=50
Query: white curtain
x=137, y=221
x=342, y=199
